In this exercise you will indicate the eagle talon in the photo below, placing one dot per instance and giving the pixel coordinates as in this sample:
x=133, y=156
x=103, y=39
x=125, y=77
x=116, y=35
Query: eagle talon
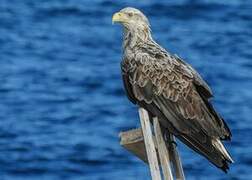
x=173, y=142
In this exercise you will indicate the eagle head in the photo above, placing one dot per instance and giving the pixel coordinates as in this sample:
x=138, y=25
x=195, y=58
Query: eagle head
x=131, y=19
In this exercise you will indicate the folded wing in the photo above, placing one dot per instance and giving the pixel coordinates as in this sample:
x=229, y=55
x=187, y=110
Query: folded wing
x=172, y=90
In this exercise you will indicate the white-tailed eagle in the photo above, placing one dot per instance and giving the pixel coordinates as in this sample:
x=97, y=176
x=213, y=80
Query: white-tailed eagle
x=170, y=89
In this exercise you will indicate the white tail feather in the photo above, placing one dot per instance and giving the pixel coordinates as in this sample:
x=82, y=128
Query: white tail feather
x=218, y=144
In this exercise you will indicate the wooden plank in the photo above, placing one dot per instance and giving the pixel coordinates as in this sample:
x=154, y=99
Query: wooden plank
x=149, y=144
x=133, y=141
x=162, y=151
x=175, y=158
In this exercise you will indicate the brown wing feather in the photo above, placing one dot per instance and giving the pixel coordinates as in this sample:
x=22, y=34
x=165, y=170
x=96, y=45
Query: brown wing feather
x=200, y=84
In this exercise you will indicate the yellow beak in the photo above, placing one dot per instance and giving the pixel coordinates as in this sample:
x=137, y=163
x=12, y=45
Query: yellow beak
x=119, y=17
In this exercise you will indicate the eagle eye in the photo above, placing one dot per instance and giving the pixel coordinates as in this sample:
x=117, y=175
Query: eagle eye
x=130, y=14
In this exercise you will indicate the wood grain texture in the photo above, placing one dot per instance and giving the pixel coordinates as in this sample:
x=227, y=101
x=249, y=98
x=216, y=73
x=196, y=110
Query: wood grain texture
x=162, y=151
x=149, y=144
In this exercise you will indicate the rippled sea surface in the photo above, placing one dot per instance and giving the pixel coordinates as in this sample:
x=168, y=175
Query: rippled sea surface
x=62, y=101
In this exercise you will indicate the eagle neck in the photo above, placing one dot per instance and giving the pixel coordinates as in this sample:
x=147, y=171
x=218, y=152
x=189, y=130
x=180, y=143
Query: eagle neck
x=135, y=36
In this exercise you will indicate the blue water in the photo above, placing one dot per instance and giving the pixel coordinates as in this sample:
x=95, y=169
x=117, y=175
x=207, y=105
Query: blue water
x=62, y=103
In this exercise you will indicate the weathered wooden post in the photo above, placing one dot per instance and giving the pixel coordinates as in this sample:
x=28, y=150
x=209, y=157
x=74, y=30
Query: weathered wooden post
x=149, y=144
x=152, y=147
x=162, y=151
